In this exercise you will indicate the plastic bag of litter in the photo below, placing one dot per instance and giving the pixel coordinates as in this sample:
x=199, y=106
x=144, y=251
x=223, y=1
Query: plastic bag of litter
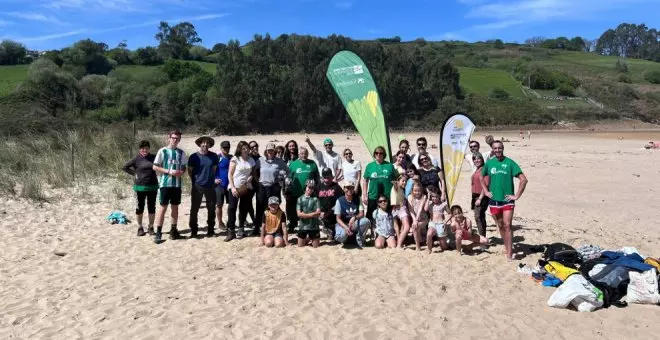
x=577, y=291
x=643, y=287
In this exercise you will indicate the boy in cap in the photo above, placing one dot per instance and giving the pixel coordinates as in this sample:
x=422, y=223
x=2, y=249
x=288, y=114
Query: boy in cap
x=328, y=193
x=273, y=230
x=170, y=163
x=202, y=166
x=222, y=180
x=327, y=158
x=308, y=209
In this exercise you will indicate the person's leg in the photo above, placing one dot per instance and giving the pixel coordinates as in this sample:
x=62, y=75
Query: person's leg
x=340, y=234
x=195, y=202
x=391, y=242
x=443, y=243
x=139, y=210
x=481, y=220
x=151, y=208
x=250, y=208
x=160, y=219
x=174, y=202
x=279, y=242
x=291, y=214
x=244, y=206
x=231, y=216
x=268, y=241
x=219, y=202
x=362, y=225
x=380, y=242
x=507, y=233
x=302, y=238
x=404, y=231
x=209, y=194
x=316, y=238
x=459, y=241
x=429, y=238
x=262, y=202
x=417, y=235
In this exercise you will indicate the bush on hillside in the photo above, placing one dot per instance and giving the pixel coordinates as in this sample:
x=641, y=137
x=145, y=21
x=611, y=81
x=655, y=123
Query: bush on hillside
x=624, y=78
x=652, y=77
x=499, y=94
x=565, y=90
x=621, y=66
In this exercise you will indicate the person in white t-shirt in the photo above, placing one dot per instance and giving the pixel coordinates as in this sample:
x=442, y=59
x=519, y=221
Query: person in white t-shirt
x=351, y=169
x=421, y=148
x=327, y=158
x=474, y=148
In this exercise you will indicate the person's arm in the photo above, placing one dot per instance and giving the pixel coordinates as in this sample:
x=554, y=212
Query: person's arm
x=129, y=167
x=484, y=186
x=263, y=230
x=338, y=214
x=521, y=186
x=285, y=231
x=443, y=186
x=157, y=166
x=311, y=146
x=339, y=171
x=232, y=169
x=365, y=190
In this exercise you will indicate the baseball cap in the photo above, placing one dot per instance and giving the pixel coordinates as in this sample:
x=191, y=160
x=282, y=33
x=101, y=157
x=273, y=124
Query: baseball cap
x=347, y=183
x=310, y=183
x=327, y=141
x=327, y=172
x=273, y=200
x=225, y=145
x=270, y=146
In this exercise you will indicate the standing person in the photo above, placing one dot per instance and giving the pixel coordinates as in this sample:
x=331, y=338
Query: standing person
x=529, y=133
x=269, y=170
x=479, y=204
x=291, y=152
x=489, y=154
x=300, y=171
x=254, y=153
x=145, y=184
x=222, y=181
x=497, y=183
x=279, y=152
x=351, y=169
x=404, y=147
x=241, y=172
x=328, y=193
x=378, y=179
x=474, y=148
x=350, y=216
x=202, y=166
x=431, y=176
x=170, y=162
x=326, y=158
x=421, y=148
x=308, y=210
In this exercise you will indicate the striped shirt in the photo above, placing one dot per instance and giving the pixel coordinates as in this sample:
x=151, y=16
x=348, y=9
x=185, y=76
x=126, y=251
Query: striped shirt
x=170, y=159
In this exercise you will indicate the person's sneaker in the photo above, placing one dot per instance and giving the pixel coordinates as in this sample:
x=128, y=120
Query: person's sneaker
x=151, y=231
x=140, y=231
x=174, y=234
x=240, y=234
x=230, y=236
x=193, y=232
x=210, y=232
x=158, y=238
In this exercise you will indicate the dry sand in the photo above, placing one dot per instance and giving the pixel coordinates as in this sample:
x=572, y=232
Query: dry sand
x=111, y=284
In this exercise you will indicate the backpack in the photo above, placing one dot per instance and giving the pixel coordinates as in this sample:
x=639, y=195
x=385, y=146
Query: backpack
x=562, y=253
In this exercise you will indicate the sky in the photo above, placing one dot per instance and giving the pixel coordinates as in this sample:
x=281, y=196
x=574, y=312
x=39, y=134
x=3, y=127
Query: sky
x=42, y=25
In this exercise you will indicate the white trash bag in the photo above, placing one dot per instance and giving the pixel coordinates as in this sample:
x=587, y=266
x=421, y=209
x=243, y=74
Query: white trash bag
x=643, y=287
x=577, y=291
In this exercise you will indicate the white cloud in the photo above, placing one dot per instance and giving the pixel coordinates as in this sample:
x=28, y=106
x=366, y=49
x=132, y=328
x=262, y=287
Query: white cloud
x=118, y=28
x=36, y=17
x=344, y=5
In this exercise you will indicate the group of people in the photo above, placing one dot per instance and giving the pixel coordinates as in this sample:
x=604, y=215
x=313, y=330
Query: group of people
x=332, y=194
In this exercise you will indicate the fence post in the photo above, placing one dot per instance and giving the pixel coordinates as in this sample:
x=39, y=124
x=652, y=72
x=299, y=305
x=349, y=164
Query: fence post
x=73, y=174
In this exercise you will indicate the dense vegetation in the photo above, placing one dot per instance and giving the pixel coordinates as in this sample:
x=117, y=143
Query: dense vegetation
x=279, y=84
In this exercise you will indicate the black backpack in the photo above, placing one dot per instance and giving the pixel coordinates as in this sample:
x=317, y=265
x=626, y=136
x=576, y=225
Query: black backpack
x=562, y=253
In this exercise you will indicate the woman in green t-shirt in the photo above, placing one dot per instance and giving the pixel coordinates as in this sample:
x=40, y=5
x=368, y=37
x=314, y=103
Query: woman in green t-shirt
x=377, y=180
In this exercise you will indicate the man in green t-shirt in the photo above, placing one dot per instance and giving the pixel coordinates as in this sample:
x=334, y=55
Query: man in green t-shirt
x=170, y=163
x=497, y=183
x=300, y=171
x=378, y=178
x=308, y=209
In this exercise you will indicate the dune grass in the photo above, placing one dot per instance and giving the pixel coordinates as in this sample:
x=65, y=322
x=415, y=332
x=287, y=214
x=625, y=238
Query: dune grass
x=96, y=154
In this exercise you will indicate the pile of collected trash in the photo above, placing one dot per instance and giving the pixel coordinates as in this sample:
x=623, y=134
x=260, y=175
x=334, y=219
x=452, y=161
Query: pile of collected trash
x=589, y=278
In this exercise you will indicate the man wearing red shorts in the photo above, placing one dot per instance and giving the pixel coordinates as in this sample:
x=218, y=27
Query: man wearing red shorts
x=497, y=182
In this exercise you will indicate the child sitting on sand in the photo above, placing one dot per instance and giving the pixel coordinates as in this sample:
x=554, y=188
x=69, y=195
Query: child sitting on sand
x=461, y=226
x=384, y=225
x=437, y=226
x=418, y=208
x=273, y=230
x=308, y=210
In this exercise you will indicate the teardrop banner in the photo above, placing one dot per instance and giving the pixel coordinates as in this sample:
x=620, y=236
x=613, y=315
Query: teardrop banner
x=454, y=140
x=356, y=89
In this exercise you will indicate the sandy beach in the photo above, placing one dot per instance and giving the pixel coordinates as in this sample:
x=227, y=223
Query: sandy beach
x=584, y=188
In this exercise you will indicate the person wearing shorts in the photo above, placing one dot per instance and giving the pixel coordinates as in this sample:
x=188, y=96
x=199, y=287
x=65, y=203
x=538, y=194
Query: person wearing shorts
x=170, y=163
x=309, y=210
x=274, y=230
x=497, y=182
x=222, y=181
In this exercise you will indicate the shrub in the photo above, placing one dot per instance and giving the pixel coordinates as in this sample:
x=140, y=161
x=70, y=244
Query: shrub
x=565, y=90
x=652, y=77
x=621, y=66
x=624, y=78
x=499, y=94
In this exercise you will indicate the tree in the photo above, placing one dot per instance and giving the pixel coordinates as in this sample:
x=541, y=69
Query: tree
x=12, y=53
x=88, y=55
x=51, y=87
x=499, y=94
x=121, y=54
x=147, y=56
x=499, y=44
x=198, y=52
x=176, y=41
x=535, y=41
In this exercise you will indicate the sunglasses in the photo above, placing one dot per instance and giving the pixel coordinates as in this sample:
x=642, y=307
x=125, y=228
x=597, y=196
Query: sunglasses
x=328, y=145
x=382, y=201
x=423, y=159
x=474, y=146
x=348, y=154
x=379, y=153
x=421, y=144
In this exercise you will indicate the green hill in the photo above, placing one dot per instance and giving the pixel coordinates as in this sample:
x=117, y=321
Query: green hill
x=482, y=81
x=10, y=77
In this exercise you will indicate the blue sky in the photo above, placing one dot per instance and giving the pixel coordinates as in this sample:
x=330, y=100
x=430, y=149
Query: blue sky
x=42, y=24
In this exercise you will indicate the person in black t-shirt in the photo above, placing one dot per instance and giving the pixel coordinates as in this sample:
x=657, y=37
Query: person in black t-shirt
x=328, y=193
